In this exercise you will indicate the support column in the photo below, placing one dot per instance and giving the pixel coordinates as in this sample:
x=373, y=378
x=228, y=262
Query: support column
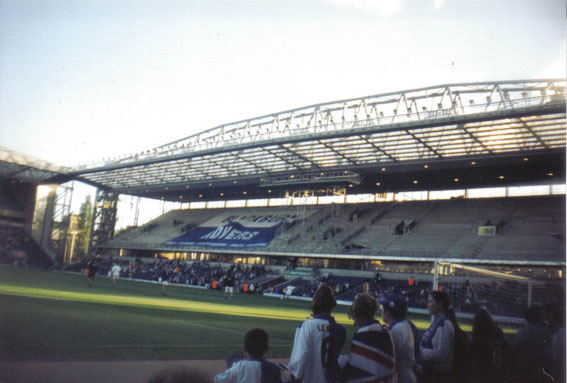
x=104, y=218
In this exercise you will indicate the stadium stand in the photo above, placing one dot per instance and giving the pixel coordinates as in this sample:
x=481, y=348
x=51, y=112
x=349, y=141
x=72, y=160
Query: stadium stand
x=527, y=228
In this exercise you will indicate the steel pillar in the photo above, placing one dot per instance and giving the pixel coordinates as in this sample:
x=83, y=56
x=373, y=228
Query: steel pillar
x=104, y=218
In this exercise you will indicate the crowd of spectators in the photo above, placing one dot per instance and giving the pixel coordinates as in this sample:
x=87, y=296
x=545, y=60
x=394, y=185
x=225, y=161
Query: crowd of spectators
x=201, y=274
x=444, y=353
x=18, y=248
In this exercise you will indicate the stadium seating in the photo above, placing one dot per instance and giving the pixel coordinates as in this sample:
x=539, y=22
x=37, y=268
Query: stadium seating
x=528, y=228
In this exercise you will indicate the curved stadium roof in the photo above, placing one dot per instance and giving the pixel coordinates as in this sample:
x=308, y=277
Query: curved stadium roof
x=475, y=134
x=26, y=168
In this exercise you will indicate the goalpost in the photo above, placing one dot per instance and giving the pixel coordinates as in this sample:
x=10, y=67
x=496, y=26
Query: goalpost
x=505, y=291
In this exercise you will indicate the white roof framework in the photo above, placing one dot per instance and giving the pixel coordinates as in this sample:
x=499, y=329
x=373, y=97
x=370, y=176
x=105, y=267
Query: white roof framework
x=439, y=123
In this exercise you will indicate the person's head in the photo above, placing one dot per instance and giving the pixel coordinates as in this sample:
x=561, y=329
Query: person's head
x=256, y=342
x=324, y=300
x=394, y=307
x=181, y=375
x=363, y=309
x=437, y=302
x=483, y=326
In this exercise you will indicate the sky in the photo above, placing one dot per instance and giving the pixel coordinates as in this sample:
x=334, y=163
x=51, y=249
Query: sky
x=83, y=80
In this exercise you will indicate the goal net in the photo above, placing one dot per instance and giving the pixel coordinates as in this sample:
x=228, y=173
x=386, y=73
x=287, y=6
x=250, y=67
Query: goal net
x=504, y=291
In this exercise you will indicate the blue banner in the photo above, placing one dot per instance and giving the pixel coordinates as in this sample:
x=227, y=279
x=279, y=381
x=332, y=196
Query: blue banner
x=235, y=231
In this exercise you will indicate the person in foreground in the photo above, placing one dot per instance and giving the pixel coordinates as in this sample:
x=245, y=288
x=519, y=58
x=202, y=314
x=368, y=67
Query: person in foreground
x=255, y=369
x=318, y=342
x=372, y=354
x=437, y=343
x=405, y=334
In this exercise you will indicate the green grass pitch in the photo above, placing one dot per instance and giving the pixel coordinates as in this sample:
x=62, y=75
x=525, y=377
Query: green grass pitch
x=51, y=315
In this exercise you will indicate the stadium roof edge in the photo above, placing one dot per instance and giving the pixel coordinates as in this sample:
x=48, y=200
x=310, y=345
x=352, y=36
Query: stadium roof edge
x=25, y=167
x=480, y=83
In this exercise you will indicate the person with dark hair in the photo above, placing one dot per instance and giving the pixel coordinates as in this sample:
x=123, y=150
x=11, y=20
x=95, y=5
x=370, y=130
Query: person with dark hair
x=436, y=347
x=372, y=352
x=318, y=342
x=405, y=334
x=461, y=357
x=255, y=369
x=181, y=375
x=532, y=345
x=490, y=354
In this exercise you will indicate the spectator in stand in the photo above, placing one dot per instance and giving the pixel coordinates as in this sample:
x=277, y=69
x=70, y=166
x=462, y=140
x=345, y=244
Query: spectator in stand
x=436, y=347
x=490, y=354
x=318, y=342
x=532, y=345
x=372, y=353
x=405, y=334
x=255, y=369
